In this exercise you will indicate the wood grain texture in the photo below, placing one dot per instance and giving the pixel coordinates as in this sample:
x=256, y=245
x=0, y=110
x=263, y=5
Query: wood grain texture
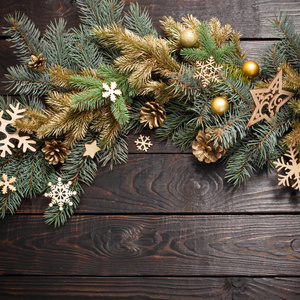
x=41, y=12
x=246, y=16
x=152, y=246
x=176, y=183
x=142, y=288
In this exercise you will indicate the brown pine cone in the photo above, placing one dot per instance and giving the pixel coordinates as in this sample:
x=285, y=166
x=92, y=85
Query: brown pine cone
x=38, y=63
x=153, y=114
x=204, y=149
x=55, y=152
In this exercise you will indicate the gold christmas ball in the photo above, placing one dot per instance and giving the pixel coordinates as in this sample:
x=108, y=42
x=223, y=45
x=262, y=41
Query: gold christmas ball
x=219, y=105
x=250, y=69
x=188, y=37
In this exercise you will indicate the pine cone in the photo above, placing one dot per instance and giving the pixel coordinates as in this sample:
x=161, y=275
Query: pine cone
x=38, y=63
x=55, y=152
x=153, y=114
x=204, y=148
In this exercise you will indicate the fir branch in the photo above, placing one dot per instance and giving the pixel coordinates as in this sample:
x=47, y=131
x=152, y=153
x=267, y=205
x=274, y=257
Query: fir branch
x=77, y=169
x=60, y=76
x=23, y=80
x=138, y=21
x=100, y=13
x=56, y=44
x=86, y=53
x=120, y=111
x=24, y=36
x=117, y=153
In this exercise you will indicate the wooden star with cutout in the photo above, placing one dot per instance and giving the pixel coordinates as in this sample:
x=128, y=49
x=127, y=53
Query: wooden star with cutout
x=269, y=100
x=91, y=149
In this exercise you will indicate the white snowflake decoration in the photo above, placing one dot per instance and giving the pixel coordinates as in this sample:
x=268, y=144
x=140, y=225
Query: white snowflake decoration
x=207, y=72
x=143, y=143
x=291, y=168
x=60, y=194
x=111, y=91
x=8, y=184
x=5, y=143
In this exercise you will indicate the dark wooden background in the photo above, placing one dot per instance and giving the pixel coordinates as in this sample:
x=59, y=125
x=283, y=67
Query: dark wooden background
x=163, y=226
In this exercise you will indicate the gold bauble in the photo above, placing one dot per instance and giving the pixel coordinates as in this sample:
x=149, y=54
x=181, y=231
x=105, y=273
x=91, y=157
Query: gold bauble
x=219, y=105
x=250, y=69
x=188, y=37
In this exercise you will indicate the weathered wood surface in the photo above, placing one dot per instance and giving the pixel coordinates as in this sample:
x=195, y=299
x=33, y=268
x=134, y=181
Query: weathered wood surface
x=247, y=16
x=213, y=245
x=176, y=183
x=181, y=288
x=169, y=225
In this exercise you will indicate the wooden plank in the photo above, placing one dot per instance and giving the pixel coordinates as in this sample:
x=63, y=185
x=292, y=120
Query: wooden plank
x=41, y=12
x=36, y=287
x=7, y=57
x=176, y=184
x=246, y=16
x=212, y=245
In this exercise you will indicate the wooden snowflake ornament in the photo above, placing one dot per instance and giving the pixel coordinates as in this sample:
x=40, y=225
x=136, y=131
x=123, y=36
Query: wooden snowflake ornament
x=5, y=143
x=269, y=100
x=207, y=71
x=143, y=143
x=111, y=91
x=291, y=168
x=60, y=194
x=8, y=184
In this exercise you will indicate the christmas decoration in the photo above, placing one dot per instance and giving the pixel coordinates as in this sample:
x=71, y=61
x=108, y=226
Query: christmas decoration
x=291, y=169
x=38, y=63
x=205, y=149
x=269, y=100
x=55, y=152
x=91, y=149
x=60, y=194
x=207, y=71
x=153, y=114
x=7, y=184
x=143, y=143
x=250, y=69
x=219, y=105
x=112, y=75
x=6, y=144
x=111, y=91
x=188, y=37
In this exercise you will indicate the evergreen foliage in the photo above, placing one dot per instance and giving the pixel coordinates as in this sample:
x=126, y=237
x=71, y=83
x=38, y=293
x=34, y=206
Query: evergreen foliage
x=115, y=48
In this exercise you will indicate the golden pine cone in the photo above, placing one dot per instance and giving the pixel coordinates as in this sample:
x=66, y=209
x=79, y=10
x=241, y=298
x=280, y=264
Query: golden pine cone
x=153, y=114
x=38, y=63
x=204, y=148
x=55, y=152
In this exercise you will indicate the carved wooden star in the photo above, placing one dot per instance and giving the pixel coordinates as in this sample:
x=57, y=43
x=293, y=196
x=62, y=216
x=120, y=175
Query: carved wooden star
x=91, y=149
x=269, y=100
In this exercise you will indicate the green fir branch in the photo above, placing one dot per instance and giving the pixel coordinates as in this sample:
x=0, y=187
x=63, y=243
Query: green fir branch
x=24, y=36
x=138, y=21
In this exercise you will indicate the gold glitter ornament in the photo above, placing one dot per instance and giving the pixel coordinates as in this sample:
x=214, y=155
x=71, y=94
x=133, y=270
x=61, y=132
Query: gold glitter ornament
x=250, y=69
x=188, y=37
x=219, y=106
x=153, y=114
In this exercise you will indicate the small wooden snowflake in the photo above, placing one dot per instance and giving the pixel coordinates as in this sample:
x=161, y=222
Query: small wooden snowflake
x=143, y=143
x=291, y=169
x=60, y=194
x=207, y=71
x=8, y=184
